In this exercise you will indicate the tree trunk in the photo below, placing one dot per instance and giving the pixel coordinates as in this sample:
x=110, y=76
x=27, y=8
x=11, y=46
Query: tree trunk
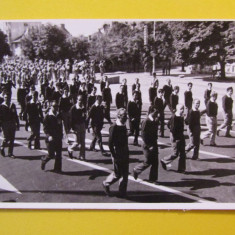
x=222, y=69
x=182, y=67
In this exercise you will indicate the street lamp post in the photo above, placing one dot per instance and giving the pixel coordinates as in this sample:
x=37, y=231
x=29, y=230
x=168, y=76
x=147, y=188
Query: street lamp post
x=154, y=53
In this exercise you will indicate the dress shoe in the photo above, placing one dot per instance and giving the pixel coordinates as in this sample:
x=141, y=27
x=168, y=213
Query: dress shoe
x=194, y=157
x=82, y=158
x=135, y=174
x=152, y=181
x=213, y=144
x=70, y=154
x=228, y=135
x=135, y=143
x=43, y=165
x=57, y=170
x=93, y=149
x=163, y=165
x=181, y=171
x=105, y=154
x=11, y=156
x=3, y=152
x=106, y=189
x=29, y=145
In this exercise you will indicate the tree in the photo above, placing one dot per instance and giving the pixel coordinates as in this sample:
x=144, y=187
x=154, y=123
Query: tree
x=78, y=48
x=204, y=43
x=46, y=42
x=120, y=44
x=214, y=44
x=4, y=46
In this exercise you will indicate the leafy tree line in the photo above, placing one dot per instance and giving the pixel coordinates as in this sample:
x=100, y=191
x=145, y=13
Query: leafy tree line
x=122, y=46
x=4, y=46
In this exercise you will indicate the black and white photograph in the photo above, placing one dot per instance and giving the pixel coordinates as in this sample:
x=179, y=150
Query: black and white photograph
x=117, y=114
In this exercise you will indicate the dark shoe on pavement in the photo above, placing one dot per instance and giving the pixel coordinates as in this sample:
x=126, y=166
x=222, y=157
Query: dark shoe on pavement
x=135, y=174
x=187, y=150
x=43, y=164
x=106, y=189
x=228, y=135
x=3, y=152
x=70, y=154
x=213, y=144
x=105, y=154
x=194, y=157
x=57, y=170
x=181, y=171
x=153, y=181
x=164, y=165
x=11, y=156
x=135, y=143
x=93, y=149
x=82, y=158
x=29, y=145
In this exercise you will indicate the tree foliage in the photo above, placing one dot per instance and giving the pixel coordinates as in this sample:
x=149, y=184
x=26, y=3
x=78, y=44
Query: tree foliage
x=52, y=43
x=4, y=46
x=204, y=43
x=120, y=44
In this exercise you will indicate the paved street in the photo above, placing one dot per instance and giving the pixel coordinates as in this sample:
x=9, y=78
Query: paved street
x=211, y=178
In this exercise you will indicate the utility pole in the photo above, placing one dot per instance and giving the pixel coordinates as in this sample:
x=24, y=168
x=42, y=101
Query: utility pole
x=154, y=49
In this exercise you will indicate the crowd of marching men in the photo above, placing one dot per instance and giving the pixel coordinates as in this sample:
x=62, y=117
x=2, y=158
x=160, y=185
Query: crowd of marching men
x=78, y=107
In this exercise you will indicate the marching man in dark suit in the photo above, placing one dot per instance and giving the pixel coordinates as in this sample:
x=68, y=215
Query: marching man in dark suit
x=54, y=134
x=96, y=115
x=188, y=97
x=176, y=126
x=78, y=125
x=9, y=123
x=207, y=93
x=194, y=129
x=120, y=98
x=118, y=145
x=227, y=104
x=134, y=113
x=149, y=132
x=34, y=117
x=159, y=104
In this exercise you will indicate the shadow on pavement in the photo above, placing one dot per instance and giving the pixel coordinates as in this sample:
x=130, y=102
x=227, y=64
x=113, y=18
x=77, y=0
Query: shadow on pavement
x=218, y=160
x=195, y=184
x=215, y=173
x=156, y=197
x=93, y=174
x=37, y=157
x=135, y=152
x=225, y=146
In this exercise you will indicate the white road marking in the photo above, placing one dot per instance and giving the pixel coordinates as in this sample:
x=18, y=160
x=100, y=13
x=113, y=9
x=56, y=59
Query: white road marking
x=162, y=188
x=159, y=187
x=7, y=186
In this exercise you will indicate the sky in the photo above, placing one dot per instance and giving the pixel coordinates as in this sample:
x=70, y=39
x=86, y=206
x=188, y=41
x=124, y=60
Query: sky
x=80, y=27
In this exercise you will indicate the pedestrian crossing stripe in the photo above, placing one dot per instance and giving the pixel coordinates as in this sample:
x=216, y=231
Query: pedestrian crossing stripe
x=7, y=186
